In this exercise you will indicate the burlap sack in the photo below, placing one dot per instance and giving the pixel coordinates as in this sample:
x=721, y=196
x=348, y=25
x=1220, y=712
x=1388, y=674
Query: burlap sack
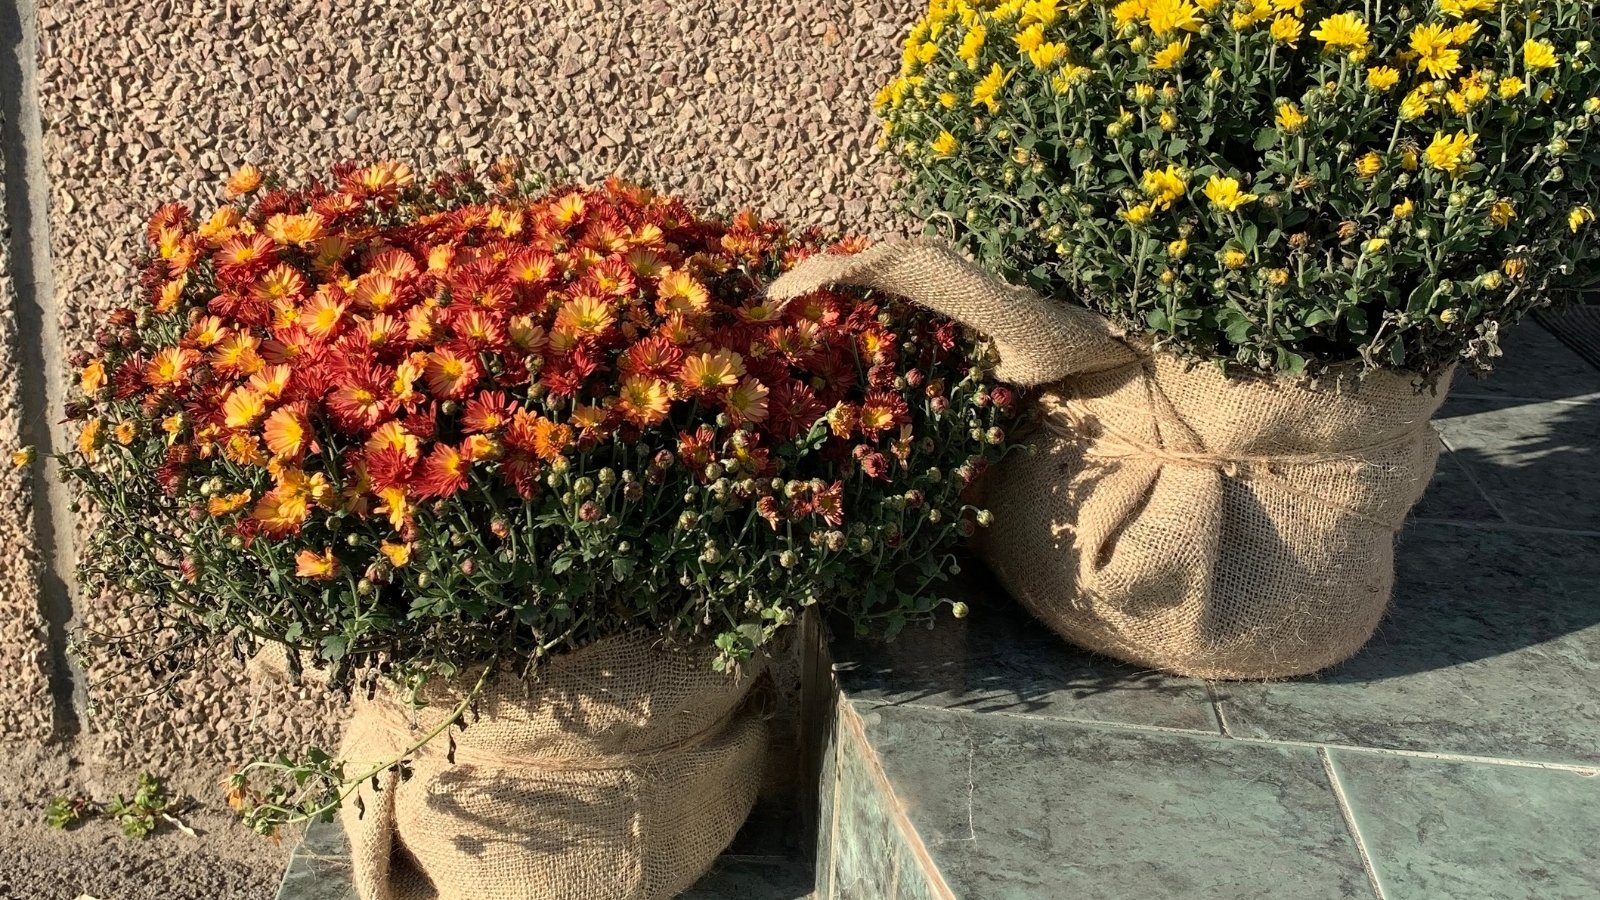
x=621, y=772
x=1171, y=516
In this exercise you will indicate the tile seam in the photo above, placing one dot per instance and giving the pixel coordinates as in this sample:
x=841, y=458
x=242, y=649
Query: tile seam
x=1349, y=815
x=1507, y=525
x=39, y=340
x=1578, y=400
x=1575, y=768
x=1473, y=479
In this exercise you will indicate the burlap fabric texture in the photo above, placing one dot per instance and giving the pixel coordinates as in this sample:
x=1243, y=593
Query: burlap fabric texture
x=621, y=772
x=1171, y=516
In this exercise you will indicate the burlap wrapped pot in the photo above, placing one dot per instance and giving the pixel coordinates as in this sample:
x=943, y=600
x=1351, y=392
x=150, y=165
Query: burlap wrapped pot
x=1171, y=516
x=621, y=771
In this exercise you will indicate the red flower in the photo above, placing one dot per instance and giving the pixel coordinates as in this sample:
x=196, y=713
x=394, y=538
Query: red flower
x=444, y=472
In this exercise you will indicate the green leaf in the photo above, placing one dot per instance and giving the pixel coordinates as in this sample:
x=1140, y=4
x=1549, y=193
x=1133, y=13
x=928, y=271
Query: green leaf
x=1266, y=139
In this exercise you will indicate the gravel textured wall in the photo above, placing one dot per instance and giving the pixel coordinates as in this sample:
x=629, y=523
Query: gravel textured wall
x=26, y=707
x=760, y=103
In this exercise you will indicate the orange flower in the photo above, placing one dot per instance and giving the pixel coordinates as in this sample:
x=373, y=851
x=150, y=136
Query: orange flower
x=444, y=472
x=93, y=377
x=281, y=512
x=296, y=231
x=706, y=372
x=206, y=332
x=747, y=402
x=223, y=224
x=227, y=503
x=450, y=375
x=242, y=408
x=318, y=566
x=270, y=381
x=680, y=292
x=644, y=401
x=550, y=440
x=288, y=432
x=237, y=354
x=171, y=294
x=569, y=209
x=397, y=554
x=322, y=316
x=377, y=292
x=585, y=316
x=89, y=439
x=170, y=366
x=245, y=250
x=244, y=180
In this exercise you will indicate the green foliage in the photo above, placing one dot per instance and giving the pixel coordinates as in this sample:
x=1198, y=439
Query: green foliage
x=1070, y=145
x=137, y=816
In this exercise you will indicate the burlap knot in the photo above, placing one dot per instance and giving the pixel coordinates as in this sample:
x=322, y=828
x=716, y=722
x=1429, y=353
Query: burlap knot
x=622, y=771
x=1172, y=516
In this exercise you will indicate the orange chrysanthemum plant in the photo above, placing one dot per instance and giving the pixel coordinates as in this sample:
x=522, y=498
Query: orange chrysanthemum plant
x=415, y=428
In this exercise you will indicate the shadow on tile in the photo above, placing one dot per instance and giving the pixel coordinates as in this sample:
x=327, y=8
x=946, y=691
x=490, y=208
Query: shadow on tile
x=1000, y=659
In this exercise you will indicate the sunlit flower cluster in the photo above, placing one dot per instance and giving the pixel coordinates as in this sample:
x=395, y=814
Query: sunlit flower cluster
x=473, y=410
x=1385, y=182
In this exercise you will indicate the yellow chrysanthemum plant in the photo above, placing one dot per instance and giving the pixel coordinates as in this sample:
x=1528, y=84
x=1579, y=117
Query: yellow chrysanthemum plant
x=1279, y=185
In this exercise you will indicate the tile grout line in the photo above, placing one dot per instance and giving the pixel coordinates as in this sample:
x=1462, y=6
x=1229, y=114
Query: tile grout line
x=1473, y=479
x=1216, y=710
x=1349, y=815
x=1579, y=400
x=41, y=369
x=1576, y=768
x=1506, y=526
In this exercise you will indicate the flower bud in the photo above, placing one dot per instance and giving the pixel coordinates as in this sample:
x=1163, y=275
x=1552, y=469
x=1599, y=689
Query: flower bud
x=958, y=609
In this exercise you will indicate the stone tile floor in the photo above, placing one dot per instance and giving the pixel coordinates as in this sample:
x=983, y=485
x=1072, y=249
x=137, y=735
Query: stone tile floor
x=1458, y=756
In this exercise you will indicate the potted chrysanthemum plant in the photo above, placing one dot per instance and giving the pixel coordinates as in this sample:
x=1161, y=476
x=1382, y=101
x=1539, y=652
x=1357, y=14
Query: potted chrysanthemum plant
x=1246, y=243
x=536, y=475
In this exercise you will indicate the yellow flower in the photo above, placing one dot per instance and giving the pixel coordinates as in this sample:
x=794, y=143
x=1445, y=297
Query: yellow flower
x=948, y=100
x=1290, y=119
x=1030, y=38
x=1382, y=78
x=397, y=554
x=1178, y=249
x=1414, y=106
x=1165, y=186
x=1258, y=11
x=1404, y=209
x=989, y=88
x=1167, y=16
x=1068, y=77
x=1137, y=215
x=1128, y=12
x=1579, y=217
x=1042, y=12
x=125, y=432
x=945, y=144
x=1539, y=55
x=1048, y=54
x=1435, y=55
x=1224, y=193
x=1448, y=316
x=1448, y=153
x=1343, y=30
x=1409, y=159
x=1169, y=55
x=1512, y=86
x=1287, y=30
x=971, y=45
x=22, y=457
x=1376, y=245
x=1502, y=213
x=1461, y=8
x=1295, y=7
x=1278, y=277
x=1168, y=120
x=1464, y=32
x=1369, y=165
x=1515, y=268
x=89, y=439
x=1235, y=259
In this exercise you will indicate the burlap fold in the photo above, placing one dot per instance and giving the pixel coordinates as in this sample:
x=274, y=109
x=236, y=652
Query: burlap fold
x=1172, y=516
x=621, y=772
